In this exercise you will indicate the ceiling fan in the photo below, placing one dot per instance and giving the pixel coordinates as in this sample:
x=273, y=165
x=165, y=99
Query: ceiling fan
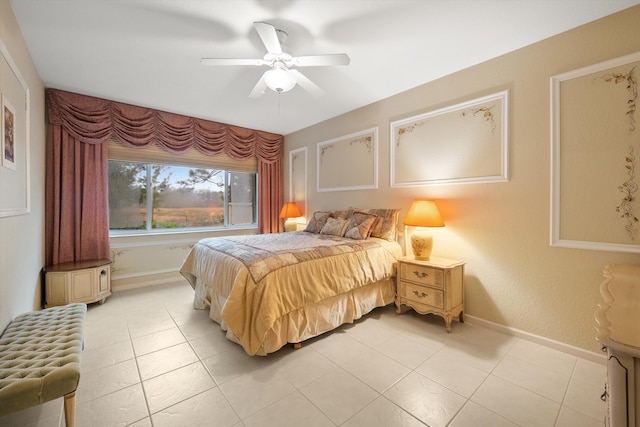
x=281, y=77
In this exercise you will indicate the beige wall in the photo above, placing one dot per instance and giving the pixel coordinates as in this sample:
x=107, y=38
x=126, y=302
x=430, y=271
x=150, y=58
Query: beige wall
x=22, y=237
x=513, y=276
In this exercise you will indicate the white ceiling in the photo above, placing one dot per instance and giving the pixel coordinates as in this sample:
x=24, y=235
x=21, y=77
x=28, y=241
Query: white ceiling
x=147, y=52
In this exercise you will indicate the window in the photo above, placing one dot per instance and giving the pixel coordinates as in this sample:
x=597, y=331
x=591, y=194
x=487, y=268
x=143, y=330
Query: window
x=161, y=196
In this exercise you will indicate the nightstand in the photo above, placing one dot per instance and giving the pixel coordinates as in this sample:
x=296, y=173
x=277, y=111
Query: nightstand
x=434, y=286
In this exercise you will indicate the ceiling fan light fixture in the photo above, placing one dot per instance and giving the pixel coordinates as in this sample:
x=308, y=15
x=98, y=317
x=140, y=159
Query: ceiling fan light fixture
x=280, y=77
x=279, y=80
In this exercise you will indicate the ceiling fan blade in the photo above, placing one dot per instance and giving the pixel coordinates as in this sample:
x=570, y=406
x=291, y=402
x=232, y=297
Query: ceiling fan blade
x=307, y=84
x=232, y=61
x=259, y=89
x=269, y=37
x=321, y=60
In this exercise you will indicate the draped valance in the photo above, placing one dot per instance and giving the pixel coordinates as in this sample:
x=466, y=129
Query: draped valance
x=94, y=121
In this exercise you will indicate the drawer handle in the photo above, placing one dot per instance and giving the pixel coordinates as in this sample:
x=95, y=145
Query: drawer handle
x=420, y=275
x=420, y=294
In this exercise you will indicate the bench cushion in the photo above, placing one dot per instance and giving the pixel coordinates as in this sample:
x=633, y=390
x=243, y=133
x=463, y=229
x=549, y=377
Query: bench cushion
x=40, y=356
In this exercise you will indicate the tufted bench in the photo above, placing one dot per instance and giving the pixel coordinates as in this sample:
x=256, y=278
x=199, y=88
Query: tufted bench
x=40, y=359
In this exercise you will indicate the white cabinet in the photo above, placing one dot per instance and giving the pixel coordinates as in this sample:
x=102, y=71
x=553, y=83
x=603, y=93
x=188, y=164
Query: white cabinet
x=80, y=281
x=618, y=319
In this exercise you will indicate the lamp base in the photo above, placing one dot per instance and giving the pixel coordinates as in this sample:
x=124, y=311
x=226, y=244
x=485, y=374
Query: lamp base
x=290, y=225
x=421, y=244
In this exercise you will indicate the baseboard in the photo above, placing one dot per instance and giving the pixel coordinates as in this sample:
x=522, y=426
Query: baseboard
x=144, y=280
x=556, y=345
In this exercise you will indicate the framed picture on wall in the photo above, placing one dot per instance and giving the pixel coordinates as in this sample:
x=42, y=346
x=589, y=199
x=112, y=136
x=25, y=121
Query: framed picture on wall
x=461, y=143
x=349, y=162
x=8, y=134
x=595, y=147
x=15, y=110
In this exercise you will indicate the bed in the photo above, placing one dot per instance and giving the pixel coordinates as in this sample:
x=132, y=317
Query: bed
x=267, y=290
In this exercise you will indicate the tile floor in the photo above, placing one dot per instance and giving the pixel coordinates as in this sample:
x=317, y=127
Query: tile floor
x=150, y=359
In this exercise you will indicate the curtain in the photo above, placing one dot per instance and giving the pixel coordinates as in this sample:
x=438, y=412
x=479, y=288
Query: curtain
x=76, y=225
x=269, y=189
x=79, y=127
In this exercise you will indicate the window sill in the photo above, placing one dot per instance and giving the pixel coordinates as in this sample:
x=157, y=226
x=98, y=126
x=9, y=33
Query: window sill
x=173, y=235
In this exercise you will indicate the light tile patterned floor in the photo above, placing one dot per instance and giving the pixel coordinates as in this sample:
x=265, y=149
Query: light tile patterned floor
x=150, y=359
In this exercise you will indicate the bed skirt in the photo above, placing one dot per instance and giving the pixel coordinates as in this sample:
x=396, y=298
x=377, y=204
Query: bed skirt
x=314, y=319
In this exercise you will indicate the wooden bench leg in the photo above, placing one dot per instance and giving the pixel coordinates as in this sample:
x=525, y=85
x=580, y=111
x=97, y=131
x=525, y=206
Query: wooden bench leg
x=69, y=409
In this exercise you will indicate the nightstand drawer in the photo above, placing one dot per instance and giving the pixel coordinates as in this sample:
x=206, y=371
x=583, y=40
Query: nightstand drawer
x=422, y=294
x=421, y=274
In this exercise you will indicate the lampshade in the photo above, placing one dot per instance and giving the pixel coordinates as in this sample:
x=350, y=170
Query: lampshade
x=279, y=80
x=290, y=210
x=423, y=213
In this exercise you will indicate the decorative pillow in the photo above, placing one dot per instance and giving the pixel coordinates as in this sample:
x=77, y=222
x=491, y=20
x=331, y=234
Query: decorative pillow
x=334, y=227
x=360, y=225
x=385, y=225
x=341, y=214
x=318, y=219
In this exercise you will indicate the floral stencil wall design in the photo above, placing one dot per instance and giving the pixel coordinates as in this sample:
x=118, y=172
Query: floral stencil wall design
x=632, y=87
x=629, y=187
x=408, y=129
x=367, y=141
x=486, y=114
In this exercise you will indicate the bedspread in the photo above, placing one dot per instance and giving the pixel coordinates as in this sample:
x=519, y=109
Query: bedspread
x=259, y=278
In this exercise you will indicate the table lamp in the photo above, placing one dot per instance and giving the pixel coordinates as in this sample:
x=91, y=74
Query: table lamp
x=290, y=211
x=423, y=213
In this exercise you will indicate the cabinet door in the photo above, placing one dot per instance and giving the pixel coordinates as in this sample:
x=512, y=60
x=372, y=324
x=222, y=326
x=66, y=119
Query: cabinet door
x=104, y=278
x=621, y=388
x=83, y=285
x=56, y=288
